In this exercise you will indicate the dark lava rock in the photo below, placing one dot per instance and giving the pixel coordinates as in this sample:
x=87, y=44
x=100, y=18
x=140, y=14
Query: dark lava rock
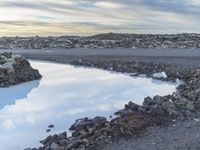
x=57, y=139
x=107, y=40
x=15, y=69
x=162, y=106
x=51, y=126
x=99, y=121
x=86, y=122
x=7, y=55
x=132, y=120
x=82, y=128
x=81, y=124
x=197, y=104
x=62, y=136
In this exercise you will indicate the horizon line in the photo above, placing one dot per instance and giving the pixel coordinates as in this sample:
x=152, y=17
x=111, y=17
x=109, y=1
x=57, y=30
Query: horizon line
x=90, y=35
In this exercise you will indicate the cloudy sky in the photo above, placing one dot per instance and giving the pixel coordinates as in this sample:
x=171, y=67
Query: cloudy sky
x=85, y=17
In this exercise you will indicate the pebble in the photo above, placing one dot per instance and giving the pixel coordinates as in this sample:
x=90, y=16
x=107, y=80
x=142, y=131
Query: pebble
x=48, y=130
x=51, y=126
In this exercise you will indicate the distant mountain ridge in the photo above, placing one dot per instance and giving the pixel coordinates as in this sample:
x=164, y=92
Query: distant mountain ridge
x=107, y=40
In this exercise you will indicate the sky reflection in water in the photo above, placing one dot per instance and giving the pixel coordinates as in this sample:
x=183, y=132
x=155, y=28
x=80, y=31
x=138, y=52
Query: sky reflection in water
x=64, y=94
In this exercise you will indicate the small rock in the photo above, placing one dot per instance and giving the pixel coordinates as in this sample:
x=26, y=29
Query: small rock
x=148, y=101
x=7, y=55
x=47, y=141
x=62, y=136
x=63, y=142
x=51, y=126
x=85, y=141
x=47, y=148
x=54, y=146
x=80, y=124
x=190, y=106
x=99, y=121
x=2, y=59
x=132, y=106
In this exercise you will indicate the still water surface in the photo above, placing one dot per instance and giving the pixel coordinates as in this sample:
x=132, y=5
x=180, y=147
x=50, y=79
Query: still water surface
x=66, y=93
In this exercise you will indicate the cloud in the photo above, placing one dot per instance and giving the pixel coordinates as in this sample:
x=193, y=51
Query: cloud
x=109, y=5
x=94, y=16
x=185, y=7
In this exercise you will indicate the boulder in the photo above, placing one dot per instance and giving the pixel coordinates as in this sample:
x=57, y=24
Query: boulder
x=98, y=121
x=86, y=123
x=132, y=106
x=161, y=106
x=54, y=146
x=15, y=69
x=62, y=136
x=81, y=124
x=148, y=101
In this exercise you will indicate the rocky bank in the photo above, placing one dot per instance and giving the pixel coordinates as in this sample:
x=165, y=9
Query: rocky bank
x=156, y=70
x=15, y=69
x=133, y=120
x=108, y=40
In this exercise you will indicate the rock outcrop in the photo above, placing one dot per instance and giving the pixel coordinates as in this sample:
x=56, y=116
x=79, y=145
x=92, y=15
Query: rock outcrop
x=15, y=69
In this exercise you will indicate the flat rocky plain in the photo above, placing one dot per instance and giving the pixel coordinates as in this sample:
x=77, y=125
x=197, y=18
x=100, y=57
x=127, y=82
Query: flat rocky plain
x=107, y=40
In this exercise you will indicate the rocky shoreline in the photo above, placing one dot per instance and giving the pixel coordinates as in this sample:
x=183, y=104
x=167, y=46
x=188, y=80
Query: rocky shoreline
x=155, y=70
x=108, y=40
x=15, y=69
x=133, y=119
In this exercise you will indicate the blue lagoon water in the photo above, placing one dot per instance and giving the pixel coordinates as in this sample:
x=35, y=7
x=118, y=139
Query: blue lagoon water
x=64, y=94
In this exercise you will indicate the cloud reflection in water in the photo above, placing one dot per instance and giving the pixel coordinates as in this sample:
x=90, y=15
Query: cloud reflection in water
x=9, y=95
x=66, y=93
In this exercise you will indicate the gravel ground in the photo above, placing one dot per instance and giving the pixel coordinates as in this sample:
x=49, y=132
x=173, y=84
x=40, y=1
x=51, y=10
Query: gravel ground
x=183, y=135
x=182, y=58
x=178, y=136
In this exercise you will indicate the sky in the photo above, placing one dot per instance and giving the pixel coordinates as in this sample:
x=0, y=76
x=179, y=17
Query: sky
x=87, y=17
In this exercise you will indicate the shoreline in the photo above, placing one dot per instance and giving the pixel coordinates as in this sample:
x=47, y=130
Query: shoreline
x=141, y=114
x=184, y=105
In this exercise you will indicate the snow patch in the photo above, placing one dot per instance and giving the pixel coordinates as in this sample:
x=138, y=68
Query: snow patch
x=179, y=82
x=160, y=75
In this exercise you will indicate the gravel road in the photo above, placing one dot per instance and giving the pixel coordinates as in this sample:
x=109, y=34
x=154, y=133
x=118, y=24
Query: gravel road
x=185, y=58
